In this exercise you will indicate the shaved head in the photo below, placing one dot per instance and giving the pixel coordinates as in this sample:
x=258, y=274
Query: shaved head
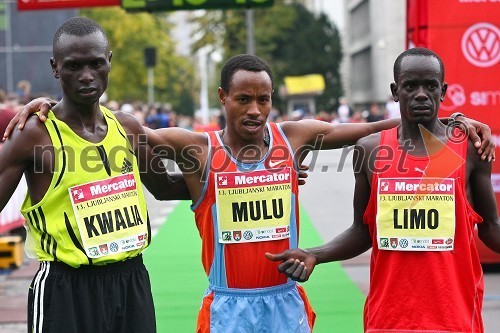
x=77, y=26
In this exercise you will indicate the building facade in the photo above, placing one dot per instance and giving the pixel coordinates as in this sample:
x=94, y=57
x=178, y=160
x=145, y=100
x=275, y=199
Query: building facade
x=374, y=36
x=26, y=47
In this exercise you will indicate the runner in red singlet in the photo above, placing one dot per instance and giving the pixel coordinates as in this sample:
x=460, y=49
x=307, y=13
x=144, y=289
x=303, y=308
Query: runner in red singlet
x=420, y=192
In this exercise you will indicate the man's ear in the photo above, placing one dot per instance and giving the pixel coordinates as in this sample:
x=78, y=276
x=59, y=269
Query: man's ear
x=394, y=90
x=443, y=90
x=222, y=95
x=55, y=71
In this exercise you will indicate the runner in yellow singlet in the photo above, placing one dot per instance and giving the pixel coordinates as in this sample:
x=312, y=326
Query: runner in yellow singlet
x=86, y=213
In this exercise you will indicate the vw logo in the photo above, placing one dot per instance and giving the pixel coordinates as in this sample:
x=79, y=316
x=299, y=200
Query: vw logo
x=481, y=44
x=403, y=243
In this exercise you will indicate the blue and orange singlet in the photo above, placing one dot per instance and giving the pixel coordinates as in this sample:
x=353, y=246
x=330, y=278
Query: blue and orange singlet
x=262, y=195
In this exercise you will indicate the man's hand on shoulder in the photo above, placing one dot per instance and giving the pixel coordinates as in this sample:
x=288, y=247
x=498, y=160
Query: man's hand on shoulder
x=479, y=134
x=42, y=105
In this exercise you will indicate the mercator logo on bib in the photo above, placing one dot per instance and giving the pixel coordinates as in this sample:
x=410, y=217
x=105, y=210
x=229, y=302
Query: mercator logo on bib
x=109, y=216
x=416, y=214
x=253, y=206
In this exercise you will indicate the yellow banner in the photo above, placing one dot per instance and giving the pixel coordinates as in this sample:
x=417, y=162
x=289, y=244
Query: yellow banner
x=307, y=84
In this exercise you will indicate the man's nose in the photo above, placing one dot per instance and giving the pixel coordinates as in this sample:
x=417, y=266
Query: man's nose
x=254, y=109
x=86, y=75
x=421, y=94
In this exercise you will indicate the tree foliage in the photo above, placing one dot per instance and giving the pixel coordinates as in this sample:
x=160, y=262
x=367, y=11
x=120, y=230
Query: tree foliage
x=289, y=37
x=128, y=35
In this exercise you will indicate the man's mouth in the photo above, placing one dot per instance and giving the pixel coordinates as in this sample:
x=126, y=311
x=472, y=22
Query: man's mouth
x=87, y=91
x=252, y=123
x=421, y=108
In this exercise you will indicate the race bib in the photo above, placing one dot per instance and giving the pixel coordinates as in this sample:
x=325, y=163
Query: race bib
x=253, y=206
x=108, y=215
x=416, y=214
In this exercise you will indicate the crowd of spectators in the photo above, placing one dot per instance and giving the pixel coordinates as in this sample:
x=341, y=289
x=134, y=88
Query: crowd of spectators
x=161, y=115
x=9, y=104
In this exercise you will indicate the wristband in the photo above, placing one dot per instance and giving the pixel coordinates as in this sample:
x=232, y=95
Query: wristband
x=453, y=118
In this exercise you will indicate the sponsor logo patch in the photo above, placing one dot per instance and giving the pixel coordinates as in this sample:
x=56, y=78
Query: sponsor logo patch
x=394, y=243
x=103, y=248
x=226, y=236
x=113, y=247
x=384, y=243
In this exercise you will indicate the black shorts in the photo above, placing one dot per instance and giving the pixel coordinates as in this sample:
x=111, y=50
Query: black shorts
x=114, y=298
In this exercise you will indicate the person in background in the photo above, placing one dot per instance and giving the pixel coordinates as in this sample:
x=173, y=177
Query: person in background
x=357, y=117
x=112, y=105
x=23, y=91
x=343, y=111
x=7, y=113
x=374, y=114
x=138, y=113
x=392, y=109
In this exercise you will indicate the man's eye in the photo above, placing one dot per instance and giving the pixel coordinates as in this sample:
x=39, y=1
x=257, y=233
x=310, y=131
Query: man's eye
x=97, y=64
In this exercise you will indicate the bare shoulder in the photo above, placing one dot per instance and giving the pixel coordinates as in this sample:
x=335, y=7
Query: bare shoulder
x=34, y=132
x=21, y=144
x=365, y=151
x=370, y=142
x=129, y=122
x=474, y=160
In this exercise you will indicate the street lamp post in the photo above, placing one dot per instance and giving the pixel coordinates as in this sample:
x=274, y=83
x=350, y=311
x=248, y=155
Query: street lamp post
x=203, y=70
x=150, y=62
x=250, y=31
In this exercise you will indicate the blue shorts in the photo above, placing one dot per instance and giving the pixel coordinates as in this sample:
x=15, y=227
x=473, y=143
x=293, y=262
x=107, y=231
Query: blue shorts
x=279, y=309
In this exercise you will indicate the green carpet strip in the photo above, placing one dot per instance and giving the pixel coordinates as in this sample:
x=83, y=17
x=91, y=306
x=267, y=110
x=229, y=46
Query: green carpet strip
x=337, y=301
x=178, y=280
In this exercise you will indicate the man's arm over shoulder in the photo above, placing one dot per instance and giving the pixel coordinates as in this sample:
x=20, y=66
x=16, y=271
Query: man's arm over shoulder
x=322, y=135
x=174, y=142
x=483, y=199
x=312, y=134
x=153, y=173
